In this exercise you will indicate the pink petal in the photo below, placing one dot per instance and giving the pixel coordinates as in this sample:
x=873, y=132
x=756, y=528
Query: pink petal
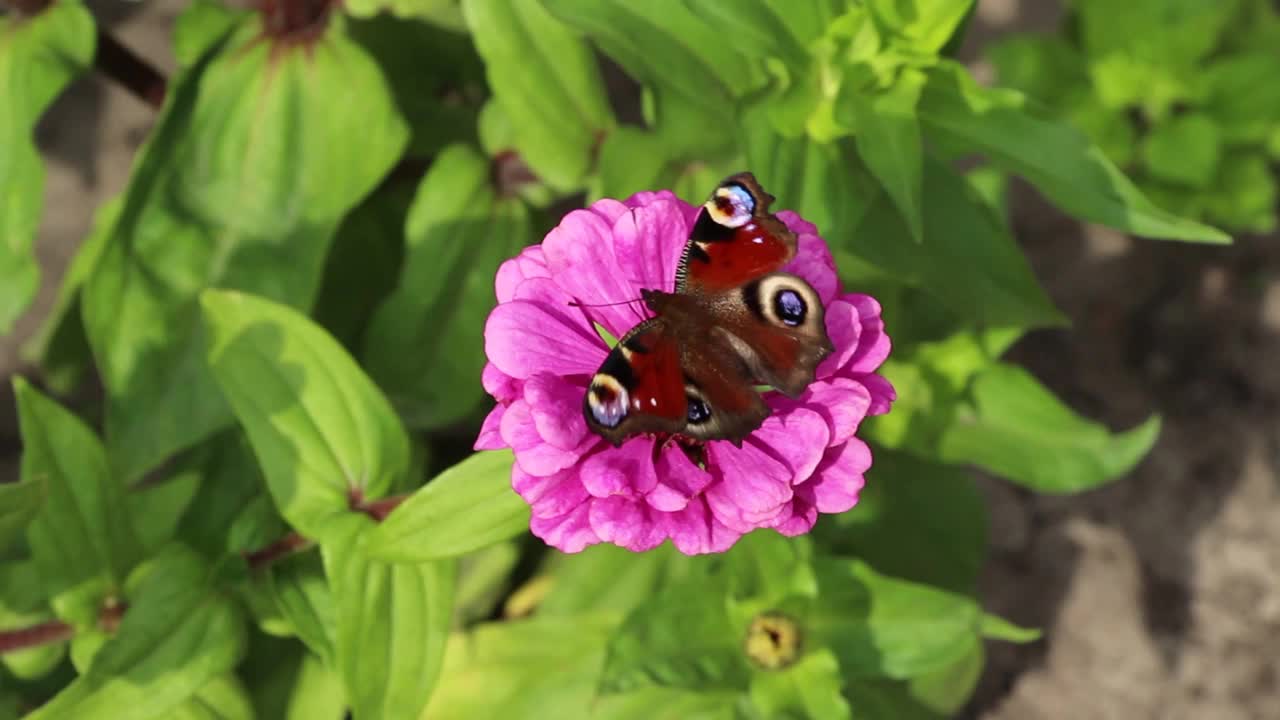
x=696, y=530
x=839, y=478
x=648, y=242
x=813, y=260
x=797, y=438
x=581, y=259
x=882, y=393
x=844, y=327
x=500, y=385
x=750, y=486
x=530, y=263
x=490, y=437
x=873, y=343
x=534, y=455
x=625, y=523
x=523, y=338
x=609, y=209
x=799, y=517
x=556, y=405
x=842, y=401
x=627, y=470
x=570, y=533
x=679, y=480
x=552, y=495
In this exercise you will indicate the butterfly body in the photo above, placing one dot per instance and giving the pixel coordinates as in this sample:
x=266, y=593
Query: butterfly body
x=734, y=322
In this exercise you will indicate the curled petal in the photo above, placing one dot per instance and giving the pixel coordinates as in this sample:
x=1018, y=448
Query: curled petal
x=696, y=530
x=500, y=385
x=626, y=523
x=873, y=343
x=490, y=437
x=800, y=515
x=839, y=478
x=530, y=263
x=556, y=406
x=627, y=470
x=534, y=455
x=570, y=533
x=749, y=488
x=648, y=244
x=797, y=438
x=678, y=480
x=842, y=401
x=882, y=394
x=844, y=327
x=552, y=495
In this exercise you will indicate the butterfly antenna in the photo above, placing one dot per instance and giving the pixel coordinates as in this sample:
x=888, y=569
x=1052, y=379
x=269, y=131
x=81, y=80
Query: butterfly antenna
x=575, y=303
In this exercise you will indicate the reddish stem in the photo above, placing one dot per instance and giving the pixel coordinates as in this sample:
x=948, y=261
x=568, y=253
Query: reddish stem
x=287, y=545
x=129, y=70
x=43, y=634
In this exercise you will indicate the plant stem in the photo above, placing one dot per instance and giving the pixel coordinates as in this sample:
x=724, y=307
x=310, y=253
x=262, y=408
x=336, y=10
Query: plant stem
x=124, y=66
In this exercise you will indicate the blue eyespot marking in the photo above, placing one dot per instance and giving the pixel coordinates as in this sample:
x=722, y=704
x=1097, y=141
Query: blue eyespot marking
x=608, y=401
x=698, y=411
x=732, y=206
x=790, y=307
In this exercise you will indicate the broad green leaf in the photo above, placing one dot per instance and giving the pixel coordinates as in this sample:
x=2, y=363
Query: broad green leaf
x=1044, y=67
x=634, y=160
x=201, y=26
x=240, y=185
x=229, y=481
x=20, y=502
x=683, y=637
x=915, y=520
x=484, y=579
x=425, y=343
x=39, y=55
x=659, y=703
x=321, y=430
x=888, y=139
x=392, y=622
x=523, y=670
x=605, y=579
x=545, y=75
x=765, y=567
x=224, y=698
x=317, y=693
x=1058, y=160
x=178, y=635
x=1241, y=99
x=997, y=628
x=809, y=688
x=756, y=26
x=82, y=530
x=692, y=75
x=883, y=626
x=935, y=695
x=445, y=12
x=467, y=507
x=969, y=261
x=157, y=508
x=1017, y=429
x=304, y=600
x=924, y=25
x=1185, y=150
x=1244, y=193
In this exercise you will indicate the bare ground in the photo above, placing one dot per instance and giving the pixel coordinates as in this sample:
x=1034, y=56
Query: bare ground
x=1160, y=595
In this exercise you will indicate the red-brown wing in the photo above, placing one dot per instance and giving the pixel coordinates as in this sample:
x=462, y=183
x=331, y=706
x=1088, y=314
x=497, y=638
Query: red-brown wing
x=639, y=387
x=734, y=239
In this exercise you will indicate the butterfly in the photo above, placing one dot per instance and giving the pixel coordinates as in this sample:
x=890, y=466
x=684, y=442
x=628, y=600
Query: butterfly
x=733, y=323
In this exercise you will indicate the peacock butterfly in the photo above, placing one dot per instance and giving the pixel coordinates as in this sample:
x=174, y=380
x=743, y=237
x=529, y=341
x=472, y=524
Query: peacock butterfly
x=734, y=322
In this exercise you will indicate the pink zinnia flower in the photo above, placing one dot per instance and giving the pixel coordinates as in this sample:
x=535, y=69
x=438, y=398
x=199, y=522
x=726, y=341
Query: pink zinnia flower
x=543, y=349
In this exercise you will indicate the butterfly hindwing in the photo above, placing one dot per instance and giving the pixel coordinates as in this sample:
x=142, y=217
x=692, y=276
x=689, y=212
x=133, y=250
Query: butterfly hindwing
x=640, y=386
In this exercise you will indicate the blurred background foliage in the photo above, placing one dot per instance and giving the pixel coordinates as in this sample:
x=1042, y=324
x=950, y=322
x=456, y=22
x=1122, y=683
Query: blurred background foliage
x=284, y=310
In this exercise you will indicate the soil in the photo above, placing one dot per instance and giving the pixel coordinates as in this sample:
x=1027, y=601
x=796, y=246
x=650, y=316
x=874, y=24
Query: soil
x=1159, y=595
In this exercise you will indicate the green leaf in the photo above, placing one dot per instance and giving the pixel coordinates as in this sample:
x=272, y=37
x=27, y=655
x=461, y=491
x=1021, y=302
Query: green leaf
x=683, y=637
x=888, y=138
x=691, y=73
x=915, y=520
x=23, y=604
x=1185, y=149
x=1044, y=67
x=157, y=508
x=934, y=695
x=523, y=670
x=968, y=261
x=1241, y=99
x=997, y=628
x=756, y=26
x=545, y=75
x=304, y=599
x=1244, y=193
x=317, y=693
x=322, y=432
x=425, y=343
x=177, y=636
x=924, y=25
x=224, y=698
x=880, y=625
x=251, y=127
x=1019, y=430
x=82, y=530
x=20, y=502
x=39, y=55
x=606, y=579
x=393, y=621
x=229, y=481
x=444, y=12
x=467, y=507
x=201, y=26
x=659, y=703
x=1058, y=160
x=809, y=688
